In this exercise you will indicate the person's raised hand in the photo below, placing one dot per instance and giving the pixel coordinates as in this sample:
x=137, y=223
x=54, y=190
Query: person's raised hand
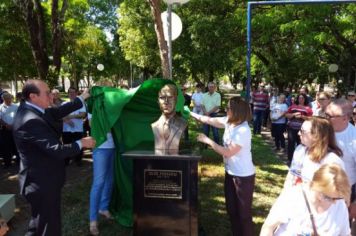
x=88, y=142
x=85, y=94
x=203, y=138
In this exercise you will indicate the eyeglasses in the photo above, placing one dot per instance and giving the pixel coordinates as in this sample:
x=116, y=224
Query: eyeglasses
x=351, y=95
x=330, y=199
x=227, y=108
x=322, y=99
x=328, y=116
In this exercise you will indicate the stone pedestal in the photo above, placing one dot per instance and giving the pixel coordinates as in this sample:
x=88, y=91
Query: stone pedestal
x=7, y=206
x=165, y=193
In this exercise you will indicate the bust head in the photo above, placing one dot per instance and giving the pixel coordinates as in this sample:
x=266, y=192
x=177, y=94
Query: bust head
x=167, y=130
x=167, y=99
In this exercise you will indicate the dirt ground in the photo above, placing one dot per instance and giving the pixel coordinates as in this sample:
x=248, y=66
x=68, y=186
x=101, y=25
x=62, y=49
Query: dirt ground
x=9, y=185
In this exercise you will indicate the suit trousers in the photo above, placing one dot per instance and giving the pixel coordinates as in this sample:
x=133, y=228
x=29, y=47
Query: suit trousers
x=8, y=147
x=46, y=211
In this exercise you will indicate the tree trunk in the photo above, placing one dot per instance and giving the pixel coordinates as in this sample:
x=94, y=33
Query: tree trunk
x=33, y=14
x=162, y=44
x=34, y=17
x=57, y=21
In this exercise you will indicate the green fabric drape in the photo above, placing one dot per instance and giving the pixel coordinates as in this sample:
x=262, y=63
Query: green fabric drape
x=128, y=114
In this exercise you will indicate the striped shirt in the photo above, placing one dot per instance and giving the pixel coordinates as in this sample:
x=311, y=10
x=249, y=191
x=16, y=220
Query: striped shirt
x=260, y=101
x=296, y=123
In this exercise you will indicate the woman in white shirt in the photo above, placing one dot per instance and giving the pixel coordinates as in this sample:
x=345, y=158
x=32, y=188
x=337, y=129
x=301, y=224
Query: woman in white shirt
x=316, y=208
x=278, y=110
x=318, y=146
x=239, y=169
x=197, y=98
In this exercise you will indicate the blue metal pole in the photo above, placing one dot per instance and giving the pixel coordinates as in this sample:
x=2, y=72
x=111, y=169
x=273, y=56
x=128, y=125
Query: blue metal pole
x=248, y=58
x=169, y=23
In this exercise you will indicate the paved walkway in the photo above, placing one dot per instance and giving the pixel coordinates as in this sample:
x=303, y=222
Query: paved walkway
x=267, y=137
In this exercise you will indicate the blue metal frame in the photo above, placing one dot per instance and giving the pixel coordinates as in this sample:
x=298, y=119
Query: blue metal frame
x=292, y=2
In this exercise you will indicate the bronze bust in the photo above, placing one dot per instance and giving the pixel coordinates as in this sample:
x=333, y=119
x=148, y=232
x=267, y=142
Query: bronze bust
x=169, y=127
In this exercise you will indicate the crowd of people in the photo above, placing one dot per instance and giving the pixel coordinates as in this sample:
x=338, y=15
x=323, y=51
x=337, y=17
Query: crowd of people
x=321, y=151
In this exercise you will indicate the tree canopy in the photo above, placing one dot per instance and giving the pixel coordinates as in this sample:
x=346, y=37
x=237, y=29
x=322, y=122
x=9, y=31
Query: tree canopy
x=291, y=44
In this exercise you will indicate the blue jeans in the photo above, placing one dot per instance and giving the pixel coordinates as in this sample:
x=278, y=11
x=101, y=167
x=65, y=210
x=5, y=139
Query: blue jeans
x=103, y=176
x=257, y=121
x=206, y=130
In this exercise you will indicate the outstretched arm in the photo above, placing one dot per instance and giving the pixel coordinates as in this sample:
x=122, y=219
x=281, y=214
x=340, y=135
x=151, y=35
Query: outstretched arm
x=213, y=121
x=36, y=132
x=62, y=111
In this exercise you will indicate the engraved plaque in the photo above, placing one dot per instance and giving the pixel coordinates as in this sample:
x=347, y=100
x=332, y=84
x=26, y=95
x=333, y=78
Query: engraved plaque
x=162, y=183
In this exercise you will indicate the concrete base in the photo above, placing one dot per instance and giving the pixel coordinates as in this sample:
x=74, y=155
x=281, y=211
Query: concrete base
x=7, y=206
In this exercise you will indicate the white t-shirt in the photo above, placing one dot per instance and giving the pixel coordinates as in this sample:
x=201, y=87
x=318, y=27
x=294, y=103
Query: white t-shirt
x=197, y=98
x=290, y=208
x=314, y=107
x=308, y=167
x=109, y=143
x=239, y=164
x=273, y=100
x=78, y=123
x=346, y=140
x=277, y=110
x=7, y=113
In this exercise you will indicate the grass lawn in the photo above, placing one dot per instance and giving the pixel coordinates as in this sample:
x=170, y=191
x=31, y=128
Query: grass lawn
x=270, y=174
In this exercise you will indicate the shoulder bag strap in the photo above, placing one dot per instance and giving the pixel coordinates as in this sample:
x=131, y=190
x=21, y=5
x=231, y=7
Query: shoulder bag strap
x=310, y=213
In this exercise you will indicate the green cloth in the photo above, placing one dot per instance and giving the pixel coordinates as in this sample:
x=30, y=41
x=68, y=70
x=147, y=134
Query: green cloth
x=128, y=114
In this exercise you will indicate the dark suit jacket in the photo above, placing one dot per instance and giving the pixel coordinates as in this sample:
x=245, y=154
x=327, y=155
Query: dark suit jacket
x=41, y=152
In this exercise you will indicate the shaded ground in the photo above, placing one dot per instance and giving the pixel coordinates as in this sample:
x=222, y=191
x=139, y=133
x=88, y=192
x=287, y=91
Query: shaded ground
x=9, y=185
x=75, y=176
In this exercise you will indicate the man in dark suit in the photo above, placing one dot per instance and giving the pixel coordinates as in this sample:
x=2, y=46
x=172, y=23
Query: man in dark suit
x=42, y=155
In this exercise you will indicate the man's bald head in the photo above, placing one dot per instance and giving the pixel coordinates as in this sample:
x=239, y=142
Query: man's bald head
x=37, y=92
